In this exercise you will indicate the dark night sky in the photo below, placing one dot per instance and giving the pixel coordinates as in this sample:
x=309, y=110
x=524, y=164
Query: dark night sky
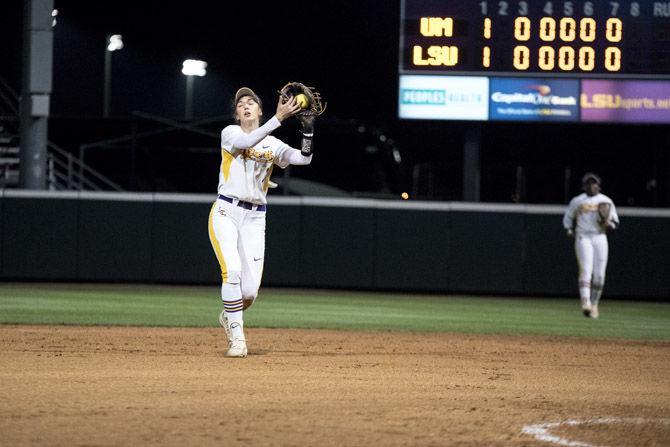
x=349, y=49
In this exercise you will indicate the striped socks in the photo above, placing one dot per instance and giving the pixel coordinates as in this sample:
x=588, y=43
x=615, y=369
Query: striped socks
x=233, y=306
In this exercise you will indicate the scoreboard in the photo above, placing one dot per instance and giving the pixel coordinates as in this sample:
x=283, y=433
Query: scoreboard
x=537, y=60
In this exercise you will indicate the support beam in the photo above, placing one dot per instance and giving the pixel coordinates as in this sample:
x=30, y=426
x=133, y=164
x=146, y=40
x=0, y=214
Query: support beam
x=471, y=173
x=188, y=109
x=35, y=92
x=107, y=87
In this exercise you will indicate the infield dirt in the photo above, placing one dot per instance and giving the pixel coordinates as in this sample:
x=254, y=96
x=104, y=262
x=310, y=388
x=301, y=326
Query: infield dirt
x=108, y=386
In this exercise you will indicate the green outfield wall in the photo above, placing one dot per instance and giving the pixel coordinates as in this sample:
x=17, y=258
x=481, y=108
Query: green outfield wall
x=445, y=247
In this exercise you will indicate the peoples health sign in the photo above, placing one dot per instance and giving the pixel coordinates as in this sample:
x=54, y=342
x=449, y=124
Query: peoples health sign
x=443, y=97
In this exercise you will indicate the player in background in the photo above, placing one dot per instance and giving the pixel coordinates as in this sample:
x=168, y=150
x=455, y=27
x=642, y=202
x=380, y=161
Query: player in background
x=588, y=217
x=237, y=217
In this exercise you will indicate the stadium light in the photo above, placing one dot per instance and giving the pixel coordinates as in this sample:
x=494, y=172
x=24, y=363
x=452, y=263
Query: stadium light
x=191, y=68
x=114, y=42
x=194, y=67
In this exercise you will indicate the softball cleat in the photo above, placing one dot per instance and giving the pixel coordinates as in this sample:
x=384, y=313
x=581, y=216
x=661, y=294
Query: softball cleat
x=594, y=312
x=238, y=348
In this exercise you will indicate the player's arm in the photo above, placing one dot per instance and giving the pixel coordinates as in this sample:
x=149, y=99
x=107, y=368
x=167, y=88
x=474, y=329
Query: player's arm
x=233, y=139
x=296, y=157
x=287, y=155
x=613, y=222
x=569, y=218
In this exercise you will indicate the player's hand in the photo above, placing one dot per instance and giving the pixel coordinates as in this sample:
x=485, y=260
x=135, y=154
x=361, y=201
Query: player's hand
x=287, y=109
x=570, y=233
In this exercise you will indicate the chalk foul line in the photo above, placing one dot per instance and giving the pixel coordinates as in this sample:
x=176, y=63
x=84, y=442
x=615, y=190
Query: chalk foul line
x=542, y=432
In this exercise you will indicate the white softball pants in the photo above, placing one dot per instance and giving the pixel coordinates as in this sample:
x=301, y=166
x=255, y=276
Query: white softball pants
x=237, y=236
x=592, y=252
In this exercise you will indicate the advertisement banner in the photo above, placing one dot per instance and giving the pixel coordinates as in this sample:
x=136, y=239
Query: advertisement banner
x=443, y=97
x=625, y=101
x=538, y=99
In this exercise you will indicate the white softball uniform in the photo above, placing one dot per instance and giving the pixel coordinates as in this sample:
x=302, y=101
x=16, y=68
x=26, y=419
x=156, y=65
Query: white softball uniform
x=582, y=214
x=247, y=161
x=237, y=218
x=591, y=246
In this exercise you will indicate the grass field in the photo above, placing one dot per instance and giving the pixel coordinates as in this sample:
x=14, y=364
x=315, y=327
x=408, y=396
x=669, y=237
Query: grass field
x=144, y=305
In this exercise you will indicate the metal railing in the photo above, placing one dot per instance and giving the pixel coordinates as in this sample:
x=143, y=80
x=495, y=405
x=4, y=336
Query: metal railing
x=9, y=162
x=9, y=100
x=170, y=125
x=64, y=171
x=67, y=172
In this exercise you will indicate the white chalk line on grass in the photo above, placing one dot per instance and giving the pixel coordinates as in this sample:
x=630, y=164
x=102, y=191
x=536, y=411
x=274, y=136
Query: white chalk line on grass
x=541, y=431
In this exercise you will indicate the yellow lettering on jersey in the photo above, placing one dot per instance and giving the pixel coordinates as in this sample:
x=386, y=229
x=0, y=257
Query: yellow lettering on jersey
x=587, y=208
x=253, y=154
x=226, y=162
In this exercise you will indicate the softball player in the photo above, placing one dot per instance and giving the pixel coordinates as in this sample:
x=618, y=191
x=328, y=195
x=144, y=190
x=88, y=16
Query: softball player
x=237, y=218
x=588, y=217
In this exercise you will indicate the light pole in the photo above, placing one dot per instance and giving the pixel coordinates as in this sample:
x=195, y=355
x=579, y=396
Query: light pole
x=191, y=67
x=114, y=42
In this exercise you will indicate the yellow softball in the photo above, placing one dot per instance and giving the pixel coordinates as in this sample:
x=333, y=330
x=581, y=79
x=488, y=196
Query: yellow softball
x=302, y=100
